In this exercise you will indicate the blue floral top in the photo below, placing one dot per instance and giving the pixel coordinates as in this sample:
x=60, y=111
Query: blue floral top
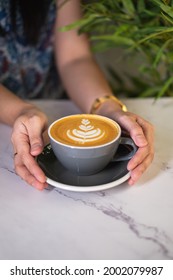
x=28, y=71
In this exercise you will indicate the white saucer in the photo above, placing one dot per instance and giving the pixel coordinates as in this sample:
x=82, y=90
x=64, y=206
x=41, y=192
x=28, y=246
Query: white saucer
x=57, y=176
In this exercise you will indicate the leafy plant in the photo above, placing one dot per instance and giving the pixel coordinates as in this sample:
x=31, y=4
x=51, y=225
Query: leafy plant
x=143, y=28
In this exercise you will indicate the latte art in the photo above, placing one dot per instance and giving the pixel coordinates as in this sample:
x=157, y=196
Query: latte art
x=85, y=133
x=84, y=130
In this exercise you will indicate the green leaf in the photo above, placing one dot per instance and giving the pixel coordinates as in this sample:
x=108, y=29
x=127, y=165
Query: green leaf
x=156, y=34
x=167, y=18
x=79, y=23
x=166, y=8
x=116, y=39
x=165, y=87
x=150, y=92
x=160, y=52
x=141, y=6
x=129, y=7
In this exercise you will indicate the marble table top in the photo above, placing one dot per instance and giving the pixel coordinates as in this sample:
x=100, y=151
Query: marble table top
x=124, y=222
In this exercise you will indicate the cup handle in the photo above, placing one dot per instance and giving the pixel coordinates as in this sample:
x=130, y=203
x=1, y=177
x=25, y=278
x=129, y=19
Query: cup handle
x=126, y=141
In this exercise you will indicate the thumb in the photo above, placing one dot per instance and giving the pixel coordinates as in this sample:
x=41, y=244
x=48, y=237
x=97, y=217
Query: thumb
x=136, y=128
x=36, y=146
x=139, y=139
x=36, y=142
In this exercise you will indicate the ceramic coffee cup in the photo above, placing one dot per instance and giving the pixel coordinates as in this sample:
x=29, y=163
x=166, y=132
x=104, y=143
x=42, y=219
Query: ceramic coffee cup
x=86, y=143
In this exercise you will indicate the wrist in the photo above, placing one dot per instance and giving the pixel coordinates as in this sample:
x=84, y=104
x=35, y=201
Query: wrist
x=29, y=111
x=107, y=105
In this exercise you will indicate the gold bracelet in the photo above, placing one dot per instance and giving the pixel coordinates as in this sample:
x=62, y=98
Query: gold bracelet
x=99, y=101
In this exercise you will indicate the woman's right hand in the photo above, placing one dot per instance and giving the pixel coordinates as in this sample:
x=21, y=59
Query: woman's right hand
x=27, y=140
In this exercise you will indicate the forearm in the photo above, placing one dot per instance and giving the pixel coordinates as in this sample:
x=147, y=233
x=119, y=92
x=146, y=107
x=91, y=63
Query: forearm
x=84, y=82
x=11, y=106
x=81, y=76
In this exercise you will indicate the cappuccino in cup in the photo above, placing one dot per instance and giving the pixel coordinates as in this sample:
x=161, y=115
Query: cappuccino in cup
x=84, y=130
x=86, y=143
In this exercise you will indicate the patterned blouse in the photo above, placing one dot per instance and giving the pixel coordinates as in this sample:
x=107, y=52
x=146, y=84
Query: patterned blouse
x=28, y=71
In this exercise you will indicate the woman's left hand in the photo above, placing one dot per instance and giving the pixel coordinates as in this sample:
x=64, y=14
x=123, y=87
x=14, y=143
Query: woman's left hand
x=142, y=133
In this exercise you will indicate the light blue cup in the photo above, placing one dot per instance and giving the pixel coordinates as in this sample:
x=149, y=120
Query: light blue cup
x=90, y=160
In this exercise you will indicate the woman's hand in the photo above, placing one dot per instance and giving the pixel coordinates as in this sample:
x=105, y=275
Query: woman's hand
x=27, y=139
x=142, y=133
x=140, y=130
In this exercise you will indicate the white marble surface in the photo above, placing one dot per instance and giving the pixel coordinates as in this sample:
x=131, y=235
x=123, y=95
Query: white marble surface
x=120, y=223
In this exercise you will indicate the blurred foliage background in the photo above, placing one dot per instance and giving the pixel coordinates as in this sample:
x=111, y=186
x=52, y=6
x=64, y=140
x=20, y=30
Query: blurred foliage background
x=144, y=30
